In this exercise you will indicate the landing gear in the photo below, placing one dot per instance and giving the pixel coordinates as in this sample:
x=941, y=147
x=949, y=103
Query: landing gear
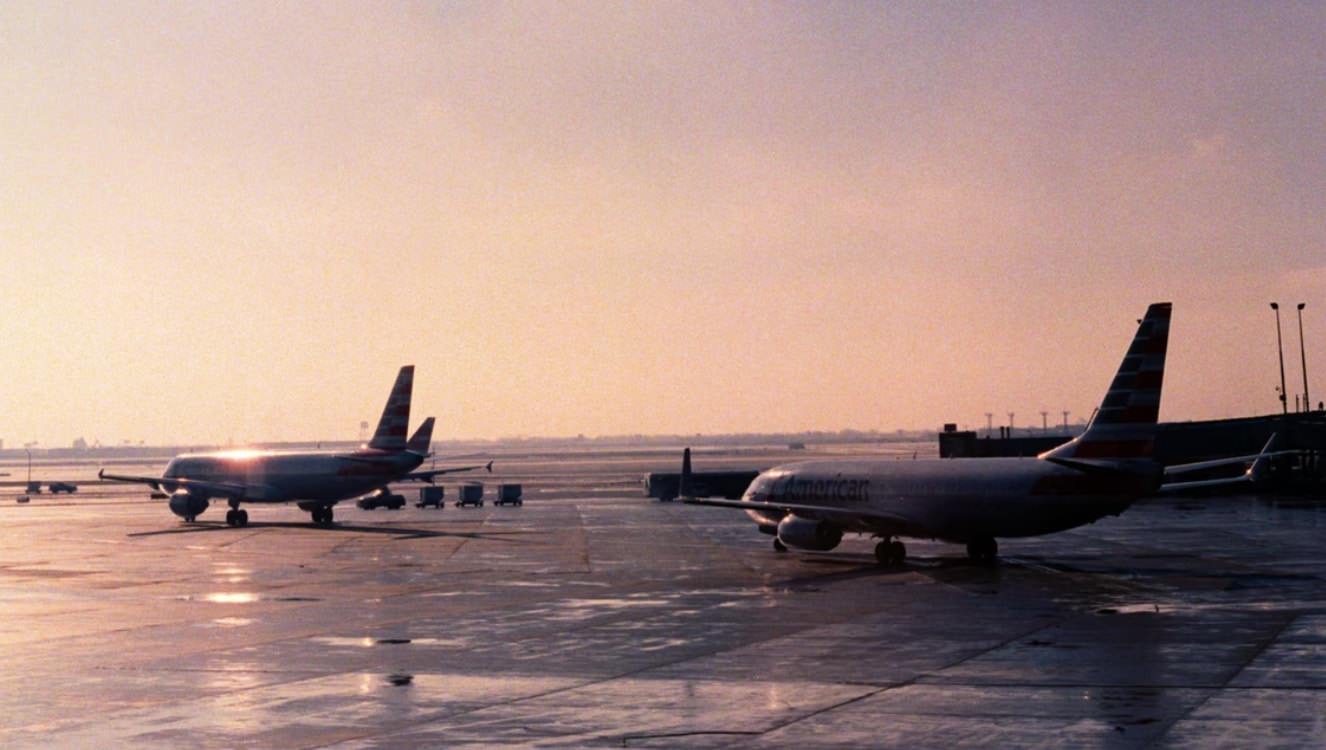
x=322, y=515
x=779, y=546
x=234, y=517
x=890, y=553
x=985, y=549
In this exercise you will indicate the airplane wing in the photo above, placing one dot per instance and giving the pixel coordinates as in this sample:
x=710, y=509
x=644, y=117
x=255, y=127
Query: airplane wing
x=847, y=517
x=212, y=489
x=1255, y=470
x=429, y=475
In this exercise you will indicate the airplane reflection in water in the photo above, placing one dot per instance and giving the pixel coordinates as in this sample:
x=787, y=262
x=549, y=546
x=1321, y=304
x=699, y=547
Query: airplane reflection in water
x=811, y=504
x=314, y=480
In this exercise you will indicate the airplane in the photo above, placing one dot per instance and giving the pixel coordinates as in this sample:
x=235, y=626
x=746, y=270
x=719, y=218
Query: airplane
x=316, y=481
x=809, y=505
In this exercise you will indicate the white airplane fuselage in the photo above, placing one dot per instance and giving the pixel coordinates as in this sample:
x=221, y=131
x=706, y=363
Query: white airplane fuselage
x=956, y=500
x=272, y=476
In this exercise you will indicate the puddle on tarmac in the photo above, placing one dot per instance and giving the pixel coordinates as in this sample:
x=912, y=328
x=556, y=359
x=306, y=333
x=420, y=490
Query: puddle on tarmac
x=239, y=597
x=367, y=642
x=230, y=597
x=1144, y=608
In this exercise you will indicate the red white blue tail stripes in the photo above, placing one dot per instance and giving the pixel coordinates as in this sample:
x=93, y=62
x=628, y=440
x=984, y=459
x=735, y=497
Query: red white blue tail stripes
x=395, y=421
x=1125, y=424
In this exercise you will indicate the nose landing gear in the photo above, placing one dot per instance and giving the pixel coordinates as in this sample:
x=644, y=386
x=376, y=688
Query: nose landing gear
x=984, y=550
x=236, y=517
x=890, y=553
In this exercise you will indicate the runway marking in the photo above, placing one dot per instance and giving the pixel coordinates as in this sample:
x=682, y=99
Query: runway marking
x=1261, y=648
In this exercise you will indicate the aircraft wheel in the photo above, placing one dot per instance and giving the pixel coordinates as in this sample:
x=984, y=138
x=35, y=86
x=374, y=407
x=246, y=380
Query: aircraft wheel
x=327, y=516
x=189, y=519
x=984, y=550
x=779, y=546
x=316, y=515
x=231, y=520
x=890, y=554
x=241, y=518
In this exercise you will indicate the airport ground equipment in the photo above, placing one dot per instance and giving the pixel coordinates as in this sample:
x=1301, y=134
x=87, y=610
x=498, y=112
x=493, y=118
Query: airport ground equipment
x=34, y=488
x=382, y=499
x=666, y=485
x=469, y=493
x=65, y=487
x=431, y=497
x=508, y=494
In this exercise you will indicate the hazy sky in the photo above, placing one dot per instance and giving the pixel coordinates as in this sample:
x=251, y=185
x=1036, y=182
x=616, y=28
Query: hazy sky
x=234, y=221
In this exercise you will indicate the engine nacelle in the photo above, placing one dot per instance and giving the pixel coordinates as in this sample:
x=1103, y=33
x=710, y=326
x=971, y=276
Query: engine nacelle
x=804, y=533
x=187, y=505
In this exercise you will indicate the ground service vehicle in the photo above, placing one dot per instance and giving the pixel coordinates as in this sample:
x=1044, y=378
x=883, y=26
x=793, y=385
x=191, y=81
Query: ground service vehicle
x=431, y=497
x=469, y=493
x=383, y=499
x=508, y=494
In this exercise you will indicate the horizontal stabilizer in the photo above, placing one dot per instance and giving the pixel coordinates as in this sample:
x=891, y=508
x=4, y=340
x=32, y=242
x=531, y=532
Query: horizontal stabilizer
x=431, y=474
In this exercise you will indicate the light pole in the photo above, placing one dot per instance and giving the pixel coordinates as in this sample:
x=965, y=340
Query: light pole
x=1279, y=343
x=1010, y=424
x=989, y=423
x=1065, y=421
x=1303, y=353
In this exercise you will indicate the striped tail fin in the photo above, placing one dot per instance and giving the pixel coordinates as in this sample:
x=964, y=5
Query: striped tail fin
x=1124, y=427
x=390, y=435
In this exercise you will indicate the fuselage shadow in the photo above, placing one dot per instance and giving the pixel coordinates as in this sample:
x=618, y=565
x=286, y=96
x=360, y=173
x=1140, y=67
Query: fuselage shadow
x=401, y=532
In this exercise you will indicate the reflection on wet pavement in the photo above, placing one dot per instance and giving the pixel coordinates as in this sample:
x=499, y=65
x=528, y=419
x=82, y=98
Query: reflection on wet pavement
x=623, y=622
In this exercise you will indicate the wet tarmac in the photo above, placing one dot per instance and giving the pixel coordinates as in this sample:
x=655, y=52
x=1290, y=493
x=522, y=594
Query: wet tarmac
x=592, y=617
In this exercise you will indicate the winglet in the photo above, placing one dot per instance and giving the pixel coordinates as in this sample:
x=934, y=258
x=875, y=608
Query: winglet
x=684, y=485
x=1124, y=427
x=395, y=421
x=1257, y=471
x=422, y=439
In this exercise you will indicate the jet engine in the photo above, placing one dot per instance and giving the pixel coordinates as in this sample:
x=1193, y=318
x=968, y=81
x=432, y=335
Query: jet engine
x=187, y=505
x=804, y=533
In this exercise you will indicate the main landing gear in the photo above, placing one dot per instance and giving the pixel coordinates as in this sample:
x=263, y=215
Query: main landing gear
x=983, y=550
x=779, y=546
x=890, y=553
x=236, y=517
x=322, y=515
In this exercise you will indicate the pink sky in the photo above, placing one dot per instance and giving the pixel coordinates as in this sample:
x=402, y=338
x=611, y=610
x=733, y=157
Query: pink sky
x=235, y=221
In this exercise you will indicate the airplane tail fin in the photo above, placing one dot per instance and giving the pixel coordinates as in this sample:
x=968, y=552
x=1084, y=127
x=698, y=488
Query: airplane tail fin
x=390, y=435
x=422, y=439
x=684, y=484
x=1124, y=427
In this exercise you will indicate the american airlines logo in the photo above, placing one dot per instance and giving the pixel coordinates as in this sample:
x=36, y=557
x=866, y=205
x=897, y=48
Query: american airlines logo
x=801, y=490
